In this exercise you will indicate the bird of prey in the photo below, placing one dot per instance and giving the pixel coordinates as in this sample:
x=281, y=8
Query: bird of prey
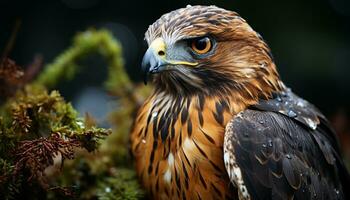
x=220, y=123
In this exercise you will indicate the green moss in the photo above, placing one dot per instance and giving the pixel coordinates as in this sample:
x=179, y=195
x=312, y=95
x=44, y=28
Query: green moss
x=65, y=66
x=46, y=151
x=37, y=126
x=120, y=185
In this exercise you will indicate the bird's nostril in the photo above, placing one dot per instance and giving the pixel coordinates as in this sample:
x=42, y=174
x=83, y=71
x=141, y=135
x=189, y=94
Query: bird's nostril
x=161, y=53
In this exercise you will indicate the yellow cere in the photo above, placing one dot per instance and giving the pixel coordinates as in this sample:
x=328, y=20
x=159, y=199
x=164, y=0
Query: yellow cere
x=158, y=45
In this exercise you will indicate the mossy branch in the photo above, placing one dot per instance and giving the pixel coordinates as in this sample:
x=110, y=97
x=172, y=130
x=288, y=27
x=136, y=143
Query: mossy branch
x=65, y=66
x=38, y=129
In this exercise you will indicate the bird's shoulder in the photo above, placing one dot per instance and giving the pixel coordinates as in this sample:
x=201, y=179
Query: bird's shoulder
x=283, y=148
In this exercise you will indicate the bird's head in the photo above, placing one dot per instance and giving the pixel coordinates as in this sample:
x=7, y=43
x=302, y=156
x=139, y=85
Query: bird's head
x=209, y=50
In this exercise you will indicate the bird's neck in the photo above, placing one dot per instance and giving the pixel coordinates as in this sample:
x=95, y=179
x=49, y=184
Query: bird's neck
x=247, y=92
x=234, y=99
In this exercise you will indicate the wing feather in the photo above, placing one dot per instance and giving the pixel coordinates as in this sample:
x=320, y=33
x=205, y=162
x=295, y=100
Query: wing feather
x=276, y=156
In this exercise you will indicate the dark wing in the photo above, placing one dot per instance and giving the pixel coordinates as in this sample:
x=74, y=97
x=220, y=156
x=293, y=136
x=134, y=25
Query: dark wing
x=275, y=151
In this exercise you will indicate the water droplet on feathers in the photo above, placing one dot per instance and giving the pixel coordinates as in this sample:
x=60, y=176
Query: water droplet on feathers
x=311, y=123
x=154, y=114
x=300, y=104
x=269, y=142
x=291, y=113
x=336, y=191
x=284, y=94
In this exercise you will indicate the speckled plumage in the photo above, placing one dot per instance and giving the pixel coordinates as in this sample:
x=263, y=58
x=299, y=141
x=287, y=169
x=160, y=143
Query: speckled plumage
x=179, y=139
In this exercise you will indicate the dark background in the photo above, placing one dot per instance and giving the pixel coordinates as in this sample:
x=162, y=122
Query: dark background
x=310, y=41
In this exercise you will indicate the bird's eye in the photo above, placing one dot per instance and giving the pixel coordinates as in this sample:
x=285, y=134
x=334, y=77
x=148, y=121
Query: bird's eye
x=201, y=45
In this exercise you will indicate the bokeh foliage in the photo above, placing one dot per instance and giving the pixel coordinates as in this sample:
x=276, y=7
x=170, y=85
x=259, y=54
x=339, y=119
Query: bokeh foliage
x=47, y=151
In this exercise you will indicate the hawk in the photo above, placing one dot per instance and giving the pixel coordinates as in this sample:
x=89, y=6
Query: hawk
x=220, y=123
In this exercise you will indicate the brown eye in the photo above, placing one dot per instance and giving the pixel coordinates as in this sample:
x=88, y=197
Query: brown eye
x=201, y=45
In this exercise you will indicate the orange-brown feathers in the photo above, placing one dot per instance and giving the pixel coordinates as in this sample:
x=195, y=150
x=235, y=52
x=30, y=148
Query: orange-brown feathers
x=178, y=147
x=177, y=139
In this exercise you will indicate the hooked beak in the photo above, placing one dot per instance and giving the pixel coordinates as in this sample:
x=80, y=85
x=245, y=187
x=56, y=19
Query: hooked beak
x=154, y=60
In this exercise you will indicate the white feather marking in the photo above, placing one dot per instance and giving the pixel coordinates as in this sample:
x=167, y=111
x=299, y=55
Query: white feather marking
x=171, y=160
x=231, y=165
x=239, y=181
x=167, y=176
x=188, y=145
x=226, y=158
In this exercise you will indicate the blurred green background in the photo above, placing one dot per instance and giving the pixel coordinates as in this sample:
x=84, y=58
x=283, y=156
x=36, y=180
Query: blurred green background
x=310, y=41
